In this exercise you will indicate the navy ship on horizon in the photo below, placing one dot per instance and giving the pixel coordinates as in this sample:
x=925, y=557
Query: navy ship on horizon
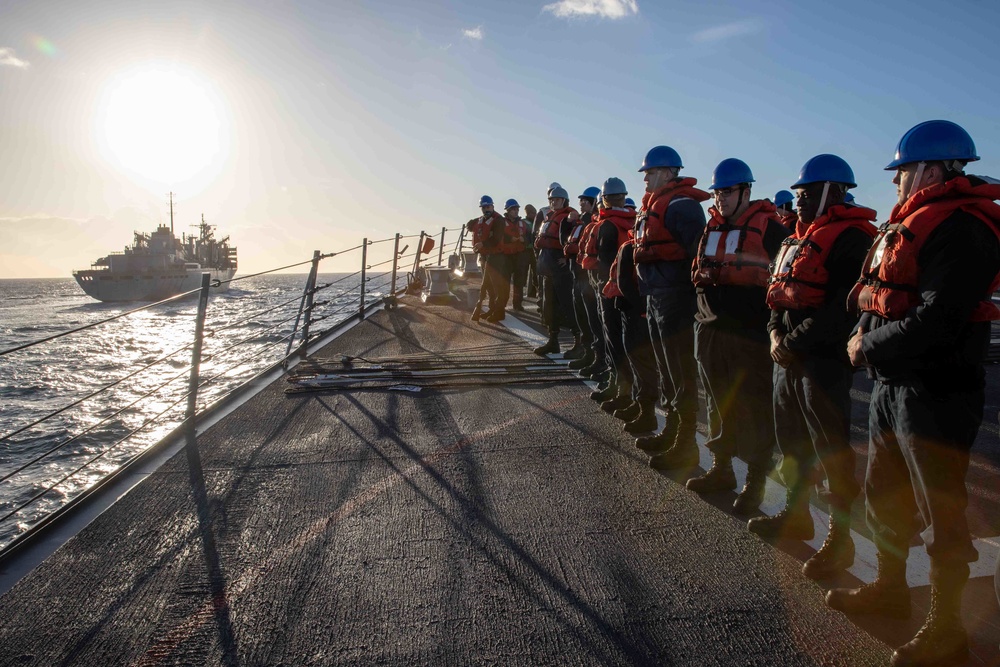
x=158, y=265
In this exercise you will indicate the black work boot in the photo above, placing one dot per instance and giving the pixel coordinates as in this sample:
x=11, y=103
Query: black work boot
x=644, y=421
x=837, y=552
x=477, y=312
x=596, y=367
x=606, y=394
x=584, y=361
x=551, y=347
x=519, y=299
x=619, y=402
x=662, y=441
x=578, y=349
x=792, y=523
x=888, y=595
x=629, y=412
x=720, y=477
x=683, y=453
x=496, y=315
x=942, y=640
x=749, y=499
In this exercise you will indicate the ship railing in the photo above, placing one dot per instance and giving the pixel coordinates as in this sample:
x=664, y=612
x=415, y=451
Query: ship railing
x=55, y=460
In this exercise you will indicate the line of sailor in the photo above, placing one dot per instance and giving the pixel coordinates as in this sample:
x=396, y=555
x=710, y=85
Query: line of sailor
x=763, y=303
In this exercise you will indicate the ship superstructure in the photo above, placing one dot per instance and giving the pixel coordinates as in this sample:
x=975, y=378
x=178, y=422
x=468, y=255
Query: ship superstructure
x=157, y=265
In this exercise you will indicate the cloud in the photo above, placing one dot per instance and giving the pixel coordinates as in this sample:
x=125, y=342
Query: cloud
x=608, y=9
x=727, y=31
x=8, y=58
x=473, y=33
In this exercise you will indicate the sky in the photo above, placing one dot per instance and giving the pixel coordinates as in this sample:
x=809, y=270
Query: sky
x=306, y=125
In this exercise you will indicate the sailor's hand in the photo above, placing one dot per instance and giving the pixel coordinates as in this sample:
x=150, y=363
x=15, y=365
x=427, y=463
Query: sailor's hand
x=854, y=351
x=779, y=353
x=477, y=246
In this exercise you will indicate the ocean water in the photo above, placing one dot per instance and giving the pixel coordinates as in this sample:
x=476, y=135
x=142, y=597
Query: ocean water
x=247, y=329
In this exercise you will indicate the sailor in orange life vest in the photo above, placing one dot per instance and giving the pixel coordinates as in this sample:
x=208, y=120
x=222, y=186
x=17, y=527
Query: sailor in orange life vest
x=809, y=327
x=554, y=269
x=506, y=240
x=783, y=201
x=537, y=222
x=925, y=297
x=629, y=351
x=584, y=298
x=480, y=228
x=594, y=362
x=730, y=275
x=667, y=231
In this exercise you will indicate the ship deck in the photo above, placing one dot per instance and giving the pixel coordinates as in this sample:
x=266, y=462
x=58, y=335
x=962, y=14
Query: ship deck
x=508, y=525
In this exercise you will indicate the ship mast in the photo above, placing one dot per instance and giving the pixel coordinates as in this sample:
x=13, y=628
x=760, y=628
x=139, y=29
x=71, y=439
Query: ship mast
x=171, y=215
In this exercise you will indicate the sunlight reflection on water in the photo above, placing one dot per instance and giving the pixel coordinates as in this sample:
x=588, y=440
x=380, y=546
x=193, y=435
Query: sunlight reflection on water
x=43, y=379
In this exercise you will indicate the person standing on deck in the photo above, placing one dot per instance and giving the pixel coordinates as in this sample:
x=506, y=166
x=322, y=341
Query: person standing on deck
x=668, y=228
x=584, y=298
x=505, y=241
x=554, y=268
x=809, y=327
x=730, y=275
x=925, y=298
x=524, y=262
x=537, y=223
x=481, y=228
x=635, y=403
x=784, y=201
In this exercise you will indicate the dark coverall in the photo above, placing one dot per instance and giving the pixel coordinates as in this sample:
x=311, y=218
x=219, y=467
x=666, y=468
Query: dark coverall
x=486, y=290
x=557, y=285
x=498, y=268
x=927, y=403
x=670, y=309
x=733, y=352
x=812, y=397
x=635, y=330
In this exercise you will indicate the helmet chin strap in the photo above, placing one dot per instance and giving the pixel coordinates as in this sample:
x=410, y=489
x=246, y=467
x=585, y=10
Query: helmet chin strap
x=915, y=183
x=822, y=200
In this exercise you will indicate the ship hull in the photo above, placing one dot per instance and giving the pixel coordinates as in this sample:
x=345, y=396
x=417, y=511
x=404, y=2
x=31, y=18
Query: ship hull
x=146, y=286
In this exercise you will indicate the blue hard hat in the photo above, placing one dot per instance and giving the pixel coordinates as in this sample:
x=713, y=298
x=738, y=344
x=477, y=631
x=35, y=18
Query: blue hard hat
x=782, y=197
x=824, y=168
x=661, y=156
x=510, y=203
x=486, y=200
x=558, y=193
x=934, y=140
x=591, y=193
x=629, y=202
x=614, y=186
x=730, y=172
x=848, y=198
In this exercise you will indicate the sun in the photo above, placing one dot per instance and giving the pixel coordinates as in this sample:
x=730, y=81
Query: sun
x=163, y=124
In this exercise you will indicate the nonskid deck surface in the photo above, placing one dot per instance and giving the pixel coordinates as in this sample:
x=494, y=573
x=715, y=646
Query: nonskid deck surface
x=497, y=525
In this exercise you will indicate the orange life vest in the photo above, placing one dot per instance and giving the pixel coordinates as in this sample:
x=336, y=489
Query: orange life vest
x=799, y=278
x=612, y=288
x=733, y=253
x=788, y=219
x=481, y=229
x=654, y=242
x=572, y=247
x=548, y=234
x=889, y=278
x=515, y=234
x=622, y=218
